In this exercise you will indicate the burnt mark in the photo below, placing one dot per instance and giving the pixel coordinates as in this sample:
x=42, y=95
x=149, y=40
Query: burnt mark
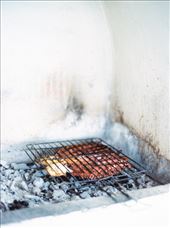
x=147, y=139
x=120, y=117
x=75, y=106
x=121, y=120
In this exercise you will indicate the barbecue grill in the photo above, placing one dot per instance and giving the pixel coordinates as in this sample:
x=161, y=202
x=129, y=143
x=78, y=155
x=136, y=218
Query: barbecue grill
x=86, y=161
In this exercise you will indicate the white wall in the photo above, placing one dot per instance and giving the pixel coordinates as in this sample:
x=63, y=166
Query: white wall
x=52, y=52
x=141, y=86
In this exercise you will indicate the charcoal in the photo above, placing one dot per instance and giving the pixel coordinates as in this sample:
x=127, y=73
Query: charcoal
x=8, y=183
x=17, y=204
x=16, y=174
x=8, y=172
x=85, y=188
x=75, y=197
x=77, y=184
x=16, y=183
x=110, y=189
x=39, y=173
x=97, y=193
x=44, y=191
x=84, y=195
x=64, y=187
x=53, y=186
x=38, y=182
x=24, y=185
x=30, y=186
x=21, y=166
x=2, y=178
x=141, y=180
x=72, y=192
x=49, y=195
x=32, y=197
x=36, y=190
x=27, y=176
x=59, y=195
x=34, y=166
x=4, y=164
x=140, y=186
x=46, y=186
x=149, y=184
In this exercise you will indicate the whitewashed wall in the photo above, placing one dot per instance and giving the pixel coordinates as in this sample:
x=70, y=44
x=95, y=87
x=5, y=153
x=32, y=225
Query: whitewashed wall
x=140, y=33
x=55, y=52
x=52, y=53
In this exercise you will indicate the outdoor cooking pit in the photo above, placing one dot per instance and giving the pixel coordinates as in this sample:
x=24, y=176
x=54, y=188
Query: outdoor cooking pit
x=71, y=170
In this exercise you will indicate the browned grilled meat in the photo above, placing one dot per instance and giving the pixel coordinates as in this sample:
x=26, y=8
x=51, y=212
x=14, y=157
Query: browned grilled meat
x=89, y=161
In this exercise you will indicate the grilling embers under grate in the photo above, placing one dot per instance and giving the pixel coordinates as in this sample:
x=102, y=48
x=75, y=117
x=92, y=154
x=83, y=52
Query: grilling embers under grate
x=86, y=162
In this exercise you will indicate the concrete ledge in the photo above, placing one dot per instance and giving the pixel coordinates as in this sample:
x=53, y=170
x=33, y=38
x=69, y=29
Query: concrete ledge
x=54, y=209
x=70, y=206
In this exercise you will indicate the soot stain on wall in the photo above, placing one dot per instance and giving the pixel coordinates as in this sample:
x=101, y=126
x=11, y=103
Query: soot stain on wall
x=76, y=106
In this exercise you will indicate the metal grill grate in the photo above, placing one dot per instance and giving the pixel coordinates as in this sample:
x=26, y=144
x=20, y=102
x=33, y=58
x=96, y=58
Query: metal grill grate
x=85, y=161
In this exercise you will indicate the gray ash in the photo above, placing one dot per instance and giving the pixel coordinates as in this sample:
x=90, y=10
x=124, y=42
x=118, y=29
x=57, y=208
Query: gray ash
x=24, y=185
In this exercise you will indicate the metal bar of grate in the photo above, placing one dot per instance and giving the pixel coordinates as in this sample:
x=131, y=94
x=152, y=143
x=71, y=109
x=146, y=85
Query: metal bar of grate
x=52, y=161
x=70, y=158
x=101, y=162
x=83, y=158
x=74, y=160
x=87, y=162
x=106, y=152
x=87, y=166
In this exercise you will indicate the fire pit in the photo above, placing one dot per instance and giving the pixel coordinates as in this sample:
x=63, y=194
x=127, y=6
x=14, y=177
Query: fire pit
x=68, y=171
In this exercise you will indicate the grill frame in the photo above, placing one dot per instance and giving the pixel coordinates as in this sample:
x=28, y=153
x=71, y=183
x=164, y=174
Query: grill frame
x=41, y=150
